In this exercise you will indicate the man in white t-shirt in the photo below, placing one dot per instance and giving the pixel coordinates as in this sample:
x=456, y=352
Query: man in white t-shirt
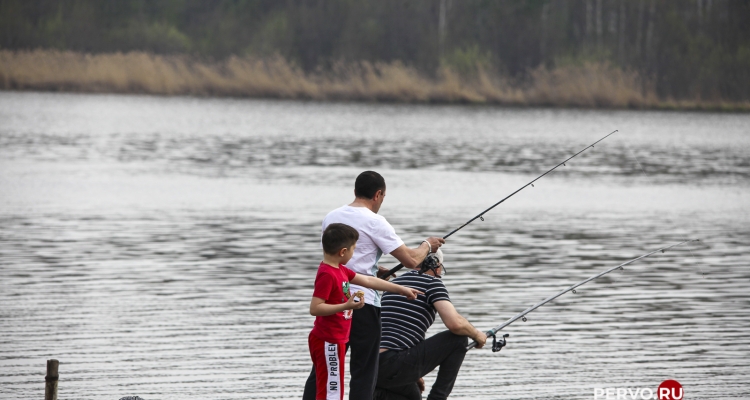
x=376, y=237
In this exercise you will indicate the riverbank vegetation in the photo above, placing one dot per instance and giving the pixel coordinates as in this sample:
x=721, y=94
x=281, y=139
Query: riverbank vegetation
x=588, y=85
x=568, y=53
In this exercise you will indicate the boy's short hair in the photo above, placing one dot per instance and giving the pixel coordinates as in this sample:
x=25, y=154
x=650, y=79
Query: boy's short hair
x=367, y=184
x=338, y=236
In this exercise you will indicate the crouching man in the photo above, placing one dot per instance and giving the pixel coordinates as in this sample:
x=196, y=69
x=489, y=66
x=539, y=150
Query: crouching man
x=405, y=355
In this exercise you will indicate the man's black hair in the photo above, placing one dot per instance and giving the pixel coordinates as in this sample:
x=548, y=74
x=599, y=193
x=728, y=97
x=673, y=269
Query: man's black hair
x=367, y=184
x=338, y=236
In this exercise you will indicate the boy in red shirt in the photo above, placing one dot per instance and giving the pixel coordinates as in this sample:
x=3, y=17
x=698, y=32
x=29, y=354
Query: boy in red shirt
x=333, y=305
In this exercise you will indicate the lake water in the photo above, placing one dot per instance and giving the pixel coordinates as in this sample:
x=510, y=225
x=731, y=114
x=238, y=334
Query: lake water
x=166, y=247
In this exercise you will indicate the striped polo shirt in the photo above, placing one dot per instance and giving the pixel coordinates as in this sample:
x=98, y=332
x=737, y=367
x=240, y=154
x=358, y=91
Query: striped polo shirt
x=405, y=322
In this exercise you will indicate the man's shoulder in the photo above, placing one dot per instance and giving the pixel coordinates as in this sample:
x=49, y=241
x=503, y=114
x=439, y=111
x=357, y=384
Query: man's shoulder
x=429, y=284
x=335, y=213
x=414, y=278
x=362, y=217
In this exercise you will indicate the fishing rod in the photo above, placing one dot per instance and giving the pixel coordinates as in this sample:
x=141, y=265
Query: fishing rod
x=498, y=344
x=481, y=215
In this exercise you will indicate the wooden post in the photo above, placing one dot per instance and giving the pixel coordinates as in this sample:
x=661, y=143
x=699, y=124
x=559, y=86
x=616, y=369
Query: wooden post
x=50, y=388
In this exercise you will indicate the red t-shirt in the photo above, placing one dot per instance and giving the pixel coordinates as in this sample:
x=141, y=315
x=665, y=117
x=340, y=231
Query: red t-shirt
x=332, y=285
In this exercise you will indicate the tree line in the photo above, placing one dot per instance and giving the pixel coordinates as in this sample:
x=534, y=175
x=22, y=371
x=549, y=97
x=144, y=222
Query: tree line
x=688, y=49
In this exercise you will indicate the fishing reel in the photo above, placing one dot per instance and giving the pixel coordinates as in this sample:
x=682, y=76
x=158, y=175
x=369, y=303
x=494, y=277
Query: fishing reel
x=498, y=345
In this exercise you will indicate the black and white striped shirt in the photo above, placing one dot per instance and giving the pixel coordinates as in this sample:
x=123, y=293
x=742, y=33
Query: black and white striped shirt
x=405, y=322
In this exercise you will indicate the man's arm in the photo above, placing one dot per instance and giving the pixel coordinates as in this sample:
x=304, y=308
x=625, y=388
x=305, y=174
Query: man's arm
x=413, y=257
x=457, y=323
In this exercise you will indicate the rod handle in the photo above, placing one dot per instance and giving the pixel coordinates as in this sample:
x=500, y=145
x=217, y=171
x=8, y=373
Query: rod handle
x=473, y=343
x=392, y=271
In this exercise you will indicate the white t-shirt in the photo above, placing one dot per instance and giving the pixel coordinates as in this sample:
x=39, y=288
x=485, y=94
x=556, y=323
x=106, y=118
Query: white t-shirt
x=376, y=237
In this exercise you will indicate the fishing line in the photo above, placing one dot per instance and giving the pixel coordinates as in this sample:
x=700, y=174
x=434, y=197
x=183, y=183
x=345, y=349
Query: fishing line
x=643, y=171
x=497, y=345
x=637, y=160
x=481, y=215
x=688, y=246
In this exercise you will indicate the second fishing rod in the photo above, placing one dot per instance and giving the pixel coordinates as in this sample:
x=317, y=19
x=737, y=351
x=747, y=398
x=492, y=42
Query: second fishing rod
x=481, y=214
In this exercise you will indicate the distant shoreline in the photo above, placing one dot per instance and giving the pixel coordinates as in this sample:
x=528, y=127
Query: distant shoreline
x=588, y=86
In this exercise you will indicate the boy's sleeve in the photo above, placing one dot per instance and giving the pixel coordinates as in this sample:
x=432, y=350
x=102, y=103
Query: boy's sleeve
x=385, y=236
x=349, y=273
x=323, y=285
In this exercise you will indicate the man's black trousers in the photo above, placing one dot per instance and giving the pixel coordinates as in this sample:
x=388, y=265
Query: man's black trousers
x=364, y=342
x=400, y=370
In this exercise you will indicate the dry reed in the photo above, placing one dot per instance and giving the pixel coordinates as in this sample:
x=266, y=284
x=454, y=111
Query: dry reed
x=588, y=85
